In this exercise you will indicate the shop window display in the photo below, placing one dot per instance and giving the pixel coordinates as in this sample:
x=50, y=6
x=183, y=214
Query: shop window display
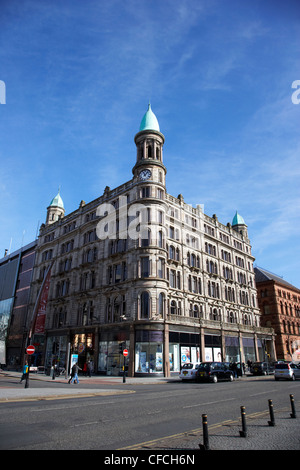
x=149, y=358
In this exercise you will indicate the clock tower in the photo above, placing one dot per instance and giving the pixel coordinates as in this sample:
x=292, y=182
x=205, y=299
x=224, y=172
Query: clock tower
x=149, y=141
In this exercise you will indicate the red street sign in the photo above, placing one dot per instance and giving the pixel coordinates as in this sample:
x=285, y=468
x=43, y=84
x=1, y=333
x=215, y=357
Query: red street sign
x=125, y=352
x=30, y=350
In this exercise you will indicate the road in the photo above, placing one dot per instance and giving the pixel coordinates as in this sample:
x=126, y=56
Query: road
x=151, y=416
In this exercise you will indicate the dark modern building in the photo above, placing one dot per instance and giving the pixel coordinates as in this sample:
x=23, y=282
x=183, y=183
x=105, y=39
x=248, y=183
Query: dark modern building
x=16, y=271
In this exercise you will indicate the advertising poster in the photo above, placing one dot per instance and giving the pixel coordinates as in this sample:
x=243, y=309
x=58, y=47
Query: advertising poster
x=74, y=359
x=39, y=326
x=185, y=355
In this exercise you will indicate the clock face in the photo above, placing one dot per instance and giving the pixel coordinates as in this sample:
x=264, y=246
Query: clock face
x=145, y=175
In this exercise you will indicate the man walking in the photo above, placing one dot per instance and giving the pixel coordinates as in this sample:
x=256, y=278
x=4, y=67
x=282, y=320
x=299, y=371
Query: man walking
x=75, y=370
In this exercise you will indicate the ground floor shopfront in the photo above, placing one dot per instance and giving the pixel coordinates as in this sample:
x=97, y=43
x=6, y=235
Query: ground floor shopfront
x=156, y=348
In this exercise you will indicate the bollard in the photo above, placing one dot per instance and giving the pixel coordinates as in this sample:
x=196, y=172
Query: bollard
x=243, y=433
x=205, y=445
x=272, y=419
x=293, y=413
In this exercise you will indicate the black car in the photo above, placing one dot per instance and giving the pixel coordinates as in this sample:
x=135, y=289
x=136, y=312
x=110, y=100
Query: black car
x=262, y=368
x=214, y=372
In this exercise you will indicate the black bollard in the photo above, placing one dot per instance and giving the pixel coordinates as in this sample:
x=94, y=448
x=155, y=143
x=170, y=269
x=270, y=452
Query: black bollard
x=243, y=433
x=272, y=419
x=293, y=413
x=205, y=445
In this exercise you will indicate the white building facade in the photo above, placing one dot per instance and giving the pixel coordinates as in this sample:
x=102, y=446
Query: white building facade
x=141, y=269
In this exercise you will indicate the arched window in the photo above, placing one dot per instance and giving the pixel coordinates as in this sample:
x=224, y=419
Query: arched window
x=160, y=239
x=173, y=309
x=214, y=315
x=231, y=317
x=161, y=305
x=171, y=252
x=146, y=240
x=196, y=311
x=145, y=305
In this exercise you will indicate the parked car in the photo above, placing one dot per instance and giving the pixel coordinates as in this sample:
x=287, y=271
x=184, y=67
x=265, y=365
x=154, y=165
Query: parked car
x=214, y=372
x=287, y=371
x=262, y=368
x=188, y=371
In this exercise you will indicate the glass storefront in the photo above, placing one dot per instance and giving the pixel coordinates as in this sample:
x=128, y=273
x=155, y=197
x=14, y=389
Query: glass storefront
x=232, y=349
x=84, y=346
x=183, y=349
x=56, y=352
x=81, y=345
x=149, y=352
x=5, y=312
x=174, y=357
x=262, y=350
x=110, y=358
x=249, y=349
x=212, y=349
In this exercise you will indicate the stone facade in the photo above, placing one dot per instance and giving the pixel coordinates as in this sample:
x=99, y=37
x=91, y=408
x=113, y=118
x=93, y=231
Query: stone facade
x=140, y=268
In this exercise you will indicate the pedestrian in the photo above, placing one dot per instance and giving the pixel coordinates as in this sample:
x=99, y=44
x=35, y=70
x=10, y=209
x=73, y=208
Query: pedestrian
x=84, y=370
x=71, y=376
x=75, y=370
x=234, y=369
x=25, y=372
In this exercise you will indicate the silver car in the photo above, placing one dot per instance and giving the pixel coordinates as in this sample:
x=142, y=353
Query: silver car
x=188, y=371
x=287, y=371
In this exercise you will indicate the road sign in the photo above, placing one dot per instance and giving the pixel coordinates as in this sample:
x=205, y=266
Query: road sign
x=125, y=352
x=30, y=350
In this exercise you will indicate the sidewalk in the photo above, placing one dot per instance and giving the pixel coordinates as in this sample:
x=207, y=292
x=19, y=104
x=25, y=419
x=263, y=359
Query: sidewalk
x=72, y=390
x=224, y=436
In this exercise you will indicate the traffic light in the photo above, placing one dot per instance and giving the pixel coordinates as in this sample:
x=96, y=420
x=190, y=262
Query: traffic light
x=121, y=347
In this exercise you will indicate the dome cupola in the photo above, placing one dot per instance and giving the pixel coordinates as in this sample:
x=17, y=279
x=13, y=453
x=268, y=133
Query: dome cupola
x=55, y=210
x=149, y=121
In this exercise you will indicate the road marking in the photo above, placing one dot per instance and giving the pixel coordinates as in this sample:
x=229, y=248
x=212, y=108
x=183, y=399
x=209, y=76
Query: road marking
x=74, y=406
x=209, y=403
x=262, y=393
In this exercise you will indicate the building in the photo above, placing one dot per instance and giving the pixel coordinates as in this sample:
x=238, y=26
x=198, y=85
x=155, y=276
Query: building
x=140, y=268
x=279, y=303
x=16, y=271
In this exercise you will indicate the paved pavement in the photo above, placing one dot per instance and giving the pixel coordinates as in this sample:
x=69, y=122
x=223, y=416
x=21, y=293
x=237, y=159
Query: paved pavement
x=224, y=436
x=284, y=435
x=73, y=390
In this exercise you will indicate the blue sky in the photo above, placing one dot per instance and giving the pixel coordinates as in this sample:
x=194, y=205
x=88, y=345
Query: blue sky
x=78, y=77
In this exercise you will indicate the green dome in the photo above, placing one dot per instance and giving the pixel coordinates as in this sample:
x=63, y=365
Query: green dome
x=149, y=121
x=57, y=201
x=238, y=219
